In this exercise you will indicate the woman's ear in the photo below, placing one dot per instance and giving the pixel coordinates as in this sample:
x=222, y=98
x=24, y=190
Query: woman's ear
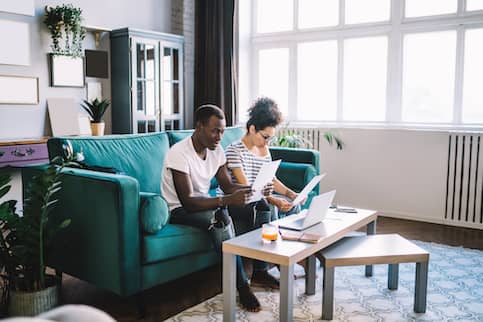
x=252, y=129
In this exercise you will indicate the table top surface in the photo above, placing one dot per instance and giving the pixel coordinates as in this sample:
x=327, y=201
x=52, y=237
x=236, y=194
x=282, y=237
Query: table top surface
x=372, y=246
x=286, y=252
x=8, y=142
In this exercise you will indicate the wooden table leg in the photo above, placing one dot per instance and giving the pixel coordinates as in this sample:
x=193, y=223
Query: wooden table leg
x=421, y=287
x=393, y=276
x=328, y=293
x=371, y=230
x=229, y=287
x=286, y=293
x=310, y=275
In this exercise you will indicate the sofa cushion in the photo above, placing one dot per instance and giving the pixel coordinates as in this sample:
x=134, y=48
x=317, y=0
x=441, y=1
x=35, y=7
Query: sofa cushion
x=154, y=212
x=296, y=175
x=137, y=155
x=176, y=136
x=173, y=241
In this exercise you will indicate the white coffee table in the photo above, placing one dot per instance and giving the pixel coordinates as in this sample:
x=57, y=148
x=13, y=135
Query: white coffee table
x=286, y=254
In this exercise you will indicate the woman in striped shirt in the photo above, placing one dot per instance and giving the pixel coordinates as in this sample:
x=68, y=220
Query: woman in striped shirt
x=245, y=157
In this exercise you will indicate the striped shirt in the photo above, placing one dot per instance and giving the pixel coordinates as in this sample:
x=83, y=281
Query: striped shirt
x=238, y=156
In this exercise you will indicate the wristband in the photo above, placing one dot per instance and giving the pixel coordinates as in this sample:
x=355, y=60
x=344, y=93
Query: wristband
x=220, y=202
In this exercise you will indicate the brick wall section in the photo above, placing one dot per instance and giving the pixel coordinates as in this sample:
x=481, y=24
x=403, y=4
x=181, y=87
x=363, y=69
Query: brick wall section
x=183, y=23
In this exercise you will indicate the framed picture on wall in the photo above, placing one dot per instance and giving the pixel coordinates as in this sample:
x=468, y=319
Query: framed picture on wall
x=22, y=7
x=66, y=71
x=19, y=90
x=15, y=40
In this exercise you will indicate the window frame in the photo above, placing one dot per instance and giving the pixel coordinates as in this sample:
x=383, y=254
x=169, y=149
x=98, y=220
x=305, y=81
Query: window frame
x=395, y=29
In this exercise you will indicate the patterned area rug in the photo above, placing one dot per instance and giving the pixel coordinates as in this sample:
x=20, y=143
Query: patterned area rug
x=455, y=293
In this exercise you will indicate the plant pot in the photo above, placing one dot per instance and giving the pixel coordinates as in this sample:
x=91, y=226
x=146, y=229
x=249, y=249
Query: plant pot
x=97, y=129
x=33, y=303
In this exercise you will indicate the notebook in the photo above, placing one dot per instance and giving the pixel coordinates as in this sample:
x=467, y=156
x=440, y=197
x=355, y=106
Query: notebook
x=309, y=217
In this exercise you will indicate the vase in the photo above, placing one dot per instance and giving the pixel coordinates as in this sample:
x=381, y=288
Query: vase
x=22, y=303
x=97, y=129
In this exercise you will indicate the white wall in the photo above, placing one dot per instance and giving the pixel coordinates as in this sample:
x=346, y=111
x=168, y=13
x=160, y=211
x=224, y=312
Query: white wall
x=30, y=121
x=400, y=173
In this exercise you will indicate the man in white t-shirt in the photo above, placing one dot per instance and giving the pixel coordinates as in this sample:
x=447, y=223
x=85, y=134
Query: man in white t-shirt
x=188, y=169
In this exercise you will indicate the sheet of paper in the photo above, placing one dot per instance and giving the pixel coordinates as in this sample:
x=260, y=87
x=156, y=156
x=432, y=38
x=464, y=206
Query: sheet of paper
x=264, y=176
x=306, y=190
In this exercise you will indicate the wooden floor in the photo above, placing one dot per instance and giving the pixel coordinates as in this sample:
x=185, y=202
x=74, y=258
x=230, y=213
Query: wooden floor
x=169, y=299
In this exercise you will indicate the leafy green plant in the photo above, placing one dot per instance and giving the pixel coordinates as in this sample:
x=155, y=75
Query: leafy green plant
x=291, y=139
x=64, y=22
x=25, y=239
x=96, y=109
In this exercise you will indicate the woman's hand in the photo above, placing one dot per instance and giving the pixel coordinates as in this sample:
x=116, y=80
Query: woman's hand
x=281, y=204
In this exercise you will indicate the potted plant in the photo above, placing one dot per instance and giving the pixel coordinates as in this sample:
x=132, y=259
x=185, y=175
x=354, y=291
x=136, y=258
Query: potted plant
x=96, y=110
x=64, y=22
x=290, y=139
x=25, y=242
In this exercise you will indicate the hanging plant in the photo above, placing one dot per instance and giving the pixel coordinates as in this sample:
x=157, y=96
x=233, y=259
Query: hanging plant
x=64, y=23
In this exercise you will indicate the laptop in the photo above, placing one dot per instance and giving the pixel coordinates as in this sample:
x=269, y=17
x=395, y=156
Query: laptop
x=309, y=217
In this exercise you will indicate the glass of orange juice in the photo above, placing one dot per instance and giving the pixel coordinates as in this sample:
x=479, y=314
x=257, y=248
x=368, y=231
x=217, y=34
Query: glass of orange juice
x=269, y=232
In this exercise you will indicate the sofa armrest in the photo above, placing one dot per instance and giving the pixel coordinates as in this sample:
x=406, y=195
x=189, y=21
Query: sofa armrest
x=102, y=243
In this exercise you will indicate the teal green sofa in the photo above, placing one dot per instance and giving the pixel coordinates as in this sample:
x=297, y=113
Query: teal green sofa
x=120, y=238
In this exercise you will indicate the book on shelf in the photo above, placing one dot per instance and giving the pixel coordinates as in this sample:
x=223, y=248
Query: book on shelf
x=300, y=236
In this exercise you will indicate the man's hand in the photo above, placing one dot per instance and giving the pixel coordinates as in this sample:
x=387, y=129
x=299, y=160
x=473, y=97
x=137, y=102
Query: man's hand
x=240, y=196
x=268, y=189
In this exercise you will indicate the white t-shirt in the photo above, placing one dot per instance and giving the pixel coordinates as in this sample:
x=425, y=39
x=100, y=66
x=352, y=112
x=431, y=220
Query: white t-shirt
x=183, y=157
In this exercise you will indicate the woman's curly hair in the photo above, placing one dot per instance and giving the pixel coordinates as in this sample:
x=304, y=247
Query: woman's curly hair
x=264, y=113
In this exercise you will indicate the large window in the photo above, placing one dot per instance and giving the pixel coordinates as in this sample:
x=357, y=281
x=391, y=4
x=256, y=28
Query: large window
x=352, y=61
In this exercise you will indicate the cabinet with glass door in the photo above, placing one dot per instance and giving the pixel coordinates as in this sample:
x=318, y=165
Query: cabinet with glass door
x=147, y=81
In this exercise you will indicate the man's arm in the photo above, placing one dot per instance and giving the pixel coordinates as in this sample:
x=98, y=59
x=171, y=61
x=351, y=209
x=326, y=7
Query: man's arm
x=184, y=189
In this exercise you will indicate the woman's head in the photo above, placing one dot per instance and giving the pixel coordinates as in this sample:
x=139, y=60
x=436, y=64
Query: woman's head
x=264, y=113
x=264, y=116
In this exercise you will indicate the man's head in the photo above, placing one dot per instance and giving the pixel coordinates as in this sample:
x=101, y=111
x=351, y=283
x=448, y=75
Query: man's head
x=209, y=125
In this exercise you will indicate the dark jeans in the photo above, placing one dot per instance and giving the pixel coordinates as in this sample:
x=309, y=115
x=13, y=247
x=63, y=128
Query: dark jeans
x=203, y=220
x=253, y=219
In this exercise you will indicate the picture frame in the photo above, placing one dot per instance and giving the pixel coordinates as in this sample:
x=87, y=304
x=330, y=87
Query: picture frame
x=19, y=90
x=18, y=35
x=64, y=116
x=66, y=71
x=21, y=7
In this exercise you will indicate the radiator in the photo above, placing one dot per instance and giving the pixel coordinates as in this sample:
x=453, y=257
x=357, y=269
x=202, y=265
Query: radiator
x=311, y=136
x=464, y=181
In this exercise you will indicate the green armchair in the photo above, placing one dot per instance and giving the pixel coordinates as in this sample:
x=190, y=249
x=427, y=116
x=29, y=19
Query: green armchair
x=120, y=238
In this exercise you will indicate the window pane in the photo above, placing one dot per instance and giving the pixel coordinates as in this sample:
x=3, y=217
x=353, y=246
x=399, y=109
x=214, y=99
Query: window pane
x=474, y=4
x=473, y=79
x=317, y=81
x=316, y=13
x=418, y=8
x=273, y=76
x=428, y=77
x=274, y=15
x=365, y=73
x=358, y=11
